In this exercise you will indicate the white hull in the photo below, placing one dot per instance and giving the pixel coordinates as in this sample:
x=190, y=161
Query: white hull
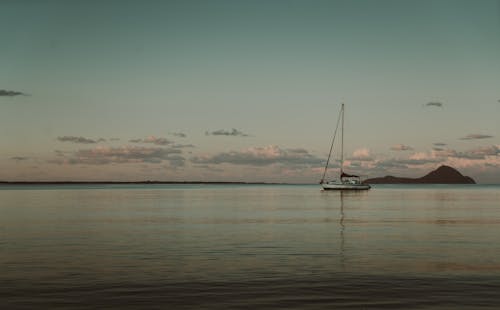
x=344, y=186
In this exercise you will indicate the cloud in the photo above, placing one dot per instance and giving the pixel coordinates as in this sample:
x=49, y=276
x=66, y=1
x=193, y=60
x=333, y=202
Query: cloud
x=401, y=147
x=434, y=104
x=153, y=140
x=181, y=146
x=479, y=153
x=178, y=134
x=439, y=147
x=262, y=156
x=209, y=168
x=479, y=158
x=176, y=161
x=476, y=137
x=61, y=153
x=418, y=160
x=223, y=132
x=419, y=156
x=120, y=155
x=81, y=140
x=390, y=163
x=482, y=152
x=448, y=153
x=404, y=163
x=11, y=93
x=362, y=154
x=19, y=158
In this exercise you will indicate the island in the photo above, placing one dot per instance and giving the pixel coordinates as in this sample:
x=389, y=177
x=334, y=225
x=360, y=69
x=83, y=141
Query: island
x=442, y=175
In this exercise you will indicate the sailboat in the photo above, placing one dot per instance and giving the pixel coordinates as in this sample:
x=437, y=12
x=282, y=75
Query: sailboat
x=345, y=181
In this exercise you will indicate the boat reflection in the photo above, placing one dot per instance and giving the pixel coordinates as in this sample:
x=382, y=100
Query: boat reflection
x=342, y=231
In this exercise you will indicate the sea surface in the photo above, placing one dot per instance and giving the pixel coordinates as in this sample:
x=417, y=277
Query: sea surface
x=249, y=247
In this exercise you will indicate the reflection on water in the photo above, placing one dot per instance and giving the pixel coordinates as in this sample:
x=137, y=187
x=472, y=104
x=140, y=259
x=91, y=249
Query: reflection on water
x=342, y=229
x=250, y=246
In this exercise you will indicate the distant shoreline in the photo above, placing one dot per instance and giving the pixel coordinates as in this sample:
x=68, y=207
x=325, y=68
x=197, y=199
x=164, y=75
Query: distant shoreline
x=140, y=182
x=48, y=183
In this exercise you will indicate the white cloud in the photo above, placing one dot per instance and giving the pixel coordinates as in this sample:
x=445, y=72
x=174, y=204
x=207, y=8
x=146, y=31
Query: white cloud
x=362, y=154
x=262, y=156
x=119, y=155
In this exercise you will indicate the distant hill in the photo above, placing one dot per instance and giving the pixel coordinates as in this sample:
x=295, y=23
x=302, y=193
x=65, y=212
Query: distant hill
x=442, y=175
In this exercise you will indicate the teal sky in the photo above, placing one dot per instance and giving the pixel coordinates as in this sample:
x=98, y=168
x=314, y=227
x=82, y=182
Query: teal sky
x=94, y=75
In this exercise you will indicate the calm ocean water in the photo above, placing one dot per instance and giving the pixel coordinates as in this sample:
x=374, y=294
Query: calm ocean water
x=249, y=246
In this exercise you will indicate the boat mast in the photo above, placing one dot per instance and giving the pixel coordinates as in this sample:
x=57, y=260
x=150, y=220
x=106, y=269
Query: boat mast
x=333, y=141
x=342, y=145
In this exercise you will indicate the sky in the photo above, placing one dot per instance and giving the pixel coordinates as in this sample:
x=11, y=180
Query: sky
x=247, y=90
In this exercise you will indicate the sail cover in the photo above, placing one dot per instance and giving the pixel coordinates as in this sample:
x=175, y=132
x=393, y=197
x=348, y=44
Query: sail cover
x=345, y=175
